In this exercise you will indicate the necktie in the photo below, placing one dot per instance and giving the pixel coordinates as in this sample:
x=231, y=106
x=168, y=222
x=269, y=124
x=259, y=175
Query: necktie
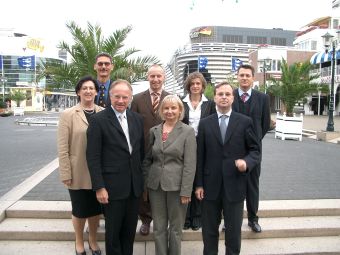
x=244, y=97
x=123, y=123
x=223, y=126
x=101, y=98
x=155, y=101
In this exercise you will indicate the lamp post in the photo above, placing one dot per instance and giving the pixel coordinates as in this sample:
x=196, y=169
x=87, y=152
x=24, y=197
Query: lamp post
x=265, y=64
x=3, y=81
x=328, y=41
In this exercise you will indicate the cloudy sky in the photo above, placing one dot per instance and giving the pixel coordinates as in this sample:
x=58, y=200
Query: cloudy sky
x=159, y=26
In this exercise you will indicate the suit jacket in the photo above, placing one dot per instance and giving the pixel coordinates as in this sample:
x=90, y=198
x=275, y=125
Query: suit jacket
x=207, y=108
x=259, y=111
x=171, y=164
x=72, y=147
x=216, y=168
x=110, y=163
x=142, y=104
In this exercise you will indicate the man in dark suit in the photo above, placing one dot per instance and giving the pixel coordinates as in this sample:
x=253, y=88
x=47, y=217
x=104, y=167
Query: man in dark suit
x=254, y=104
x=227, y=149
x=146, y=104
x=103, y=67
x=115, y=151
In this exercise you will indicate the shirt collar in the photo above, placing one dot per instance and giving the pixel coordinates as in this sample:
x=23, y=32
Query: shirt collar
x=187, y=98
x=220, y=114
x=118, y=113
x=240, y=92
x=158, y=92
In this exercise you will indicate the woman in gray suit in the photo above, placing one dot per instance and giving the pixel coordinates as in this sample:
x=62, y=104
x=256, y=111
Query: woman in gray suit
x=73, y=169
x=169, y=169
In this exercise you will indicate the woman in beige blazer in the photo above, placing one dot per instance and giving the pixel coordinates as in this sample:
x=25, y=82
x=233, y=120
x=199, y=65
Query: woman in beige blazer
x=169, y=169
x=73, y=169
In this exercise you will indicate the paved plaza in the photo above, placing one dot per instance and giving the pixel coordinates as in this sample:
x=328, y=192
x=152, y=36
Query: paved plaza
x=290, y=169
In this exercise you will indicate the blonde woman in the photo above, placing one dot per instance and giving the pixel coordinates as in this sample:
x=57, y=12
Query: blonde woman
x=169, y=169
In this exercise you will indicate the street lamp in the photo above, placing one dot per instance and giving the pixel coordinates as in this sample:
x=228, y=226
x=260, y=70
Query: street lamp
x=266, y=63
x=329, y=41
x=3, y=81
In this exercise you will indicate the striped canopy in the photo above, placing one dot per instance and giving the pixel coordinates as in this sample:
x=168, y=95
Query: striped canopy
x=322, y=57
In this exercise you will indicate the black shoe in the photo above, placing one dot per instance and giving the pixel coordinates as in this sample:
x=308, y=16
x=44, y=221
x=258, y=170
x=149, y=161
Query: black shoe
x=96, y=252
x=255, y=227
x=196, y=223
x=186, y=225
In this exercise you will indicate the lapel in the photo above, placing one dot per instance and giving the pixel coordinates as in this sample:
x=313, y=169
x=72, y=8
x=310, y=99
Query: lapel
x=236, y=107
x=232, y=125
x=204, y=108
x=147, y=100
x=81, y=114
x=130, y=121
x=254, y=100
x=173, y=134
x=215, y=127
x=110, y=114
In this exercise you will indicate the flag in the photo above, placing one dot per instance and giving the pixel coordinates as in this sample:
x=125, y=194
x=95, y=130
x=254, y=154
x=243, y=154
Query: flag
x=26, y=62
x=1, y=61
x=202, y=62
x=235, y=64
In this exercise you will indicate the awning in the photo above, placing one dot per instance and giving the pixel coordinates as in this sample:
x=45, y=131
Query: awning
x=322, y=57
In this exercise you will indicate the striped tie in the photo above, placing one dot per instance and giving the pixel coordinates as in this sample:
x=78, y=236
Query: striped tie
x=155, y=101
x=244, y=97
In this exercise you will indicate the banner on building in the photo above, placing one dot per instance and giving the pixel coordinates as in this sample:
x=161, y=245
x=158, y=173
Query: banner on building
x=202, y=62
x=235, y=64
x=27, y=62
x=1, y=62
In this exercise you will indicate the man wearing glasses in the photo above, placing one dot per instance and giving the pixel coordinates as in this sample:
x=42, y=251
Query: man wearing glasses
x=103, y=67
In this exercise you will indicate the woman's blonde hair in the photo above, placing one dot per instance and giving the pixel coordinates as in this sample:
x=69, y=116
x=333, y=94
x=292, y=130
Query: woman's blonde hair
x=171, y=99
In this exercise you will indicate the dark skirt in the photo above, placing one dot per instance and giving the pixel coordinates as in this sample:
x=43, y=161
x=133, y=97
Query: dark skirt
x=84, y=203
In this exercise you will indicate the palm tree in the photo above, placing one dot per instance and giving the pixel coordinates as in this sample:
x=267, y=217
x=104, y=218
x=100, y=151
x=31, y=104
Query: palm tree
x=295, y=84
x=18, y=96
x=87, y=44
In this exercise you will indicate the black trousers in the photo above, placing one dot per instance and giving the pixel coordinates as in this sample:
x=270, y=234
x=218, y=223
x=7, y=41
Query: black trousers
x=211, y=220
x=121, y=217
x=253, y=196
x=194, y=208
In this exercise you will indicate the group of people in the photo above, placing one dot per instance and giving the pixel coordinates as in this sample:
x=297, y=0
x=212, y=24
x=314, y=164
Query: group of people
x=181, y=163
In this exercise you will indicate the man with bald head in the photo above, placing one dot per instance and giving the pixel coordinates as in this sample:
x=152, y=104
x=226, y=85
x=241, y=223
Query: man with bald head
x=146, y=104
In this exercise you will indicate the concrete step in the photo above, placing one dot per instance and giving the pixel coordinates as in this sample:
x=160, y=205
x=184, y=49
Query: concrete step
x=309, y=133
x=278, y=208
x=278, y=227
x=326, y=245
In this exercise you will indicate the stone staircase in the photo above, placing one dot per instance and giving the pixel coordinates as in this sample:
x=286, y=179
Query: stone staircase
x=289, y=227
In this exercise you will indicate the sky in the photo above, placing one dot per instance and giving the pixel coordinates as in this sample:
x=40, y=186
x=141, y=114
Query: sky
x=159, y=27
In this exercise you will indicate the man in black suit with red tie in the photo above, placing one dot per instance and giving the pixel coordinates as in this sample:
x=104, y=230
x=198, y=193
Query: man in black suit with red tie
x=254, y=104
x=115, y=151
x=227, y=150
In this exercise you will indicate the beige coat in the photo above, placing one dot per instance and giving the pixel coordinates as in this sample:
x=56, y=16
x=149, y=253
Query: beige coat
x=72, y=144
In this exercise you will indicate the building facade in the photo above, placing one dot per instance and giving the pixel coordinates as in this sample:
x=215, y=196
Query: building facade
x=21, y=57
x=221, y=46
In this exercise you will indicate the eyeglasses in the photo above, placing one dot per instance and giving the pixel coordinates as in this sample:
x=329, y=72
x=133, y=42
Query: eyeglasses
x=103, y=63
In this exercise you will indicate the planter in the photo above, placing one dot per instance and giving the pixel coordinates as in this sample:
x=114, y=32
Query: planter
x=20, y=111
x=289, y=127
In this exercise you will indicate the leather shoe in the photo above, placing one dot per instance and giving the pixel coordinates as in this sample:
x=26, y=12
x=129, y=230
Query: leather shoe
x=255, y=227
x=186, y=225
x=196, y=223
x=79, y=253
x=144, y=229
x=95, y=252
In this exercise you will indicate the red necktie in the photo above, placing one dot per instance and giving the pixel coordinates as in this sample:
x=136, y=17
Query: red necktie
x=244, y=97
x=155, y=99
